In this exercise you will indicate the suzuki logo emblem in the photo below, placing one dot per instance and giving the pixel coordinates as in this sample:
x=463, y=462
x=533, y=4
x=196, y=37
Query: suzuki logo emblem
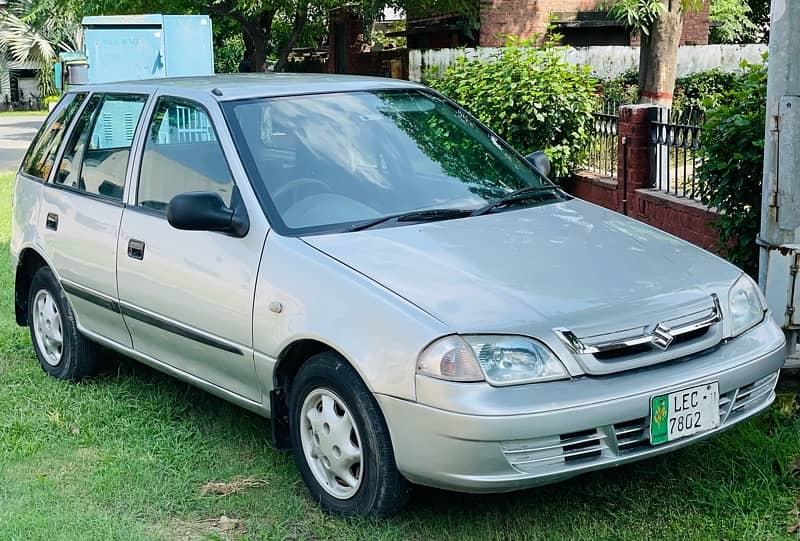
x=662, y=337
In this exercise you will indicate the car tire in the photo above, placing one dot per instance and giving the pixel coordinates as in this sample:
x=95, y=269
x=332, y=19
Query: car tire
x=62, y=351
x=341, y=442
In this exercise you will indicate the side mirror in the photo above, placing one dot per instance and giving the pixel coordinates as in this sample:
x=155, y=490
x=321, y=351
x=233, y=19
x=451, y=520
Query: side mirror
x=205, y=211
x=540, y=162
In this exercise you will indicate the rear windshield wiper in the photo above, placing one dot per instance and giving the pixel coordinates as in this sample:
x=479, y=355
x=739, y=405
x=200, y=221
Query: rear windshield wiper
x=428, y=215
x=517, y=195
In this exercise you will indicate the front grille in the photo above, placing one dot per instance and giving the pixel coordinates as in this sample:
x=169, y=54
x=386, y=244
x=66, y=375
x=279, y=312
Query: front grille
x=605, y=443
x=687, y=331
x=641, y=348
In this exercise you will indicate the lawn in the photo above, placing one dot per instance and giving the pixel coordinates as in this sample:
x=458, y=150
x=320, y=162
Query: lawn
x=22, y=113
x=125, y=455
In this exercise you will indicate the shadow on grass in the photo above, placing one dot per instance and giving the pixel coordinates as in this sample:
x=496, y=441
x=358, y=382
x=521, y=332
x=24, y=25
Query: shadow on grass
x=749, y=463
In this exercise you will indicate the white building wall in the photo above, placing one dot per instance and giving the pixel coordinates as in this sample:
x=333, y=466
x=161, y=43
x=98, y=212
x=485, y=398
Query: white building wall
x=606, y=61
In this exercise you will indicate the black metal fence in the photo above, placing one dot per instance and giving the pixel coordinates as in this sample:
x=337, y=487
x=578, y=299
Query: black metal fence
x=30, y=103
x=675, y=139
x=600, y=154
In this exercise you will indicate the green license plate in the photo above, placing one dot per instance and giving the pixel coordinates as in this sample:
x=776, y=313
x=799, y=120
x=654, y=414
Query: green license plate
x=684, y=413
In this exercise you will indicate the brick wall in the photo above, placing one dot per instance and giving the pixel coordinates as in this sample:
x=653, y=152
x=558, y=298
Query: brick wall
x=695, y=27
x=630, y=193
x=526, y=18
x=684, y=218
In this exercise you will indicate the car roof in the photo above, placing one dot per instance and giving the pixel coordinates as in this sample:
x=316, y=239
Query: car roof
x=227, y=87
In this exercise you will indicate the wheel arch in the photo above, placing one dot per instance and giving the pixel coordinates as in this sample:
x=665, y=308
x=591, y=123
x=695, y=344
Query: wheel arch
x=30, y=261
x=291, y=358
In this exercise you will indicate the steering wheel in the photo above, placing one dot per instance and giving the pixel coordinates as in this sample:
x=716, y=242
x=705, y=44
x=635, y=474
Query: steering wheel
x=291, y=190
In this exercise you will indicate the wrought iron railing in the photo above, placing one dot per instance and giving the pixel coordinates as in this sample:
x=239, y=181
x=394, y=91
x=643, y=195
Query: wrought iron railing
x=675, y=139
x=28, y=103
x=601, y=152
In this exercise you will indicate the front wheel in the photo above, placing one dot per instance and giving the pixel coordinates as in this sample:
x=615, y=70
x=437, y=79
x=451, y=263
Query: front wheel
x=341, y=442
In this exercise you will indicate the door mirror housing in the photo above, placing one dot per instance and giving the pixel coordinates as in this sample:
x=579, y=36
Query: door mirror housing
x=540, y=162
x=206, y=211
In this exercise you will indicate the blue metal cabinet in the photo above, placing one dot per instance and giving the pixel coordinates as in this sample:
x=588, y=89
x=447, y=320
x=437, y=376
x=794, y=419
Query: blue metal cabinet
x=128, y=47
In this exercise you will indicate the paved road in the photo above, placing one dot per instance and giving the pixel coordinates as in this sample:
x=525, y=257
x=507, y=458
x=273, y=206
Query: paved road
x=16, y=133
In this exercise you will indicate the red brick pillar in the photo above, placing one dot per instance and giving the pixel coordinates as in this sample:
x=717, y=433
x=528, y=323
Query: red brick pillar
x=634, y=153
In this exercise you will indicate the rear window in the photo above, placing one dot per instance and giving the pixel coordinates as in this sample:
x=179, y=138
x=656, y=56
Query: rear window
x=41, y=154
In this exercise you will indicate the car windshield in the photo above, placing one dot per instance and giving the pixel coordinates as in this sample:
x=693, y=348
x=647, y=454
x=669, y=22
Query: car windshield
x=330, y=162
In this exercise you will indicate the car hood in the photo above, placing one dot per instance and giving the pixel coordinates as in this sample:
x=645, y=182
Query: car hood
x=570, y=264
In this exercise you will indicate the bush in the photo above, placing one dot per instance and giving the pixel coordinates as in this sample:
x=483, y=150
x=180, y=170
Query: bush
x=530, y=96
x=702, y=90
x=729, y=177
x=621, y=90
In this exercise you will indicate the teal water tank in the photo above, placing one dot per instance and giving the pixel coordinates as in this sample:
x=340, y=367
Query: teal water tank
x=128, y=47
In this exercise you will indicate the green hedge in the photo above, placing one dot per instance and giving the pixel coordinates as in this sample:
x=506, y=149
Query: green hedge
x=732, y=165
x=530, y=96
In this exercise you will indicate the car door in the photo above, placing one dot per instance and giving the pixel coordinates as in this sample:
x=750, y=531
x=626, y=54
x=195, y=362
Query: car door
x=82, y=208
x=187, y=296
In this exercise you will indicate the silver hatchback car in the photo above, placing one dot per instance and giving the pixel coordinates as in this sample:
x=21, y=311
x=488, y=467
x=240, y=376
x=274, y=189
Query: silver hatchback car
x=409, y=299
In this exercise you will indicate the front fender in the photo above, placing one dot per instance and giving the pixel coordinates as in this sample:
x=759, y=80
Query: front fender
x=303, y=294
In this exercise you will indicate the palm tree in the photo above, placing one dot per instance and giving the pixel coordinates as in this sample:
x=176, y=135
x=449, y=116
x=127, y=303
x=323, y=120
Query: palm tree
x=35, y=31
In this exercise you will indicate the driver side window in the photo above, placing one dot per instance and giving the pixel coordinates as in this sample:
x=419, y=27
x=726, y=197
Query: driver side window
x=181, y=155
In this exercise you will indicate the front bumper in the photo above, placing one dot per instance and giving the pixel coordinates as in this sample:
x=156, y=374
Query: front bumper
x=570, y=427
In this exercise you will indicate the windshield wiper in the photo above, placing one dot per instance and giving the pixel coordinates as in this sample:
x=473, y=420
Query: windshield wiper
x=427, y=215
x=517, y=195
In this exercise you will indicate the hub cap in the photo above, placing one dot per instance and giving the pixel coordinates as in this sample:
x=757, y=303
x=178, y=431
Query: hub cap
x=47, y=327
x=331, y=443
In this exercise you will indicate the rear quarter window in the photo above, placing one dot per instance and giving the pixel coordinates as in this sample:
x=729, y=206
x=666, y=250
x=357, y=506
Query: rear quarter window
x=41, y=155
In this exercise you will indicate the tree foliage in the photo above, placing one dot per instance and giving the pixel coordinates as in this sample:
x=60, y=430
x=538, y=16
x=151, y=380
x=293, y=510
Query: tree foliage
x=641, y=15
x=730, y=174
x=530, y=96
x=36, y=31
x=732, y=21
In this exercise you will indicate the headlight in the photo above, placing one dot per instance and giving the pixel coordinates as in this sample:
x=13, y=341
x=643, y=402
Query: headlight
x=499, y=359
x=746, y=305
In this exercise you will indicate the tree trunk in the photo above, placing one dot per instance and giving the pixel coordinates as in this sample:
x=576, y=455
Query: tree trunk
x=300, y=19
x=258, y=30
x=658, y=58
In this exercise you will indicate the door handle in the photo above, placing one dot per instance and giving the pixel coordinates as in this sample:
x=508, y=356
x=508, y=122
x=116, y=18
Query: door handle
x=52, y=221
x=136, y=249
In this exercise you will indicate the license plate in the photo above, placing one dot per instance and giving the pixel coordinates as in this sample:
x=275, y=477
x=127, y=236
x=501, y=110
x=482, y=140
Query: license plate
x=683, y=413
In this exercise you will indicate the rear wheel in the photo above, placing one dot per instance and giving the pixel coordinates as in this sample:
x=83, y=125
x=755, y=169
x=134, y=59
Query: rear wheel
x=341, y=443
x=62, y=351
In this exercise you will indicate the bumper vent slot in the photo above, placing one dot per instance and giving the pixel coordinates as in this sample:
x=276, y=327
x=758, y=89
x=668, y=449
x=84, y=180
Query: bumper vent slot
x=580, y=445
x=632, y=435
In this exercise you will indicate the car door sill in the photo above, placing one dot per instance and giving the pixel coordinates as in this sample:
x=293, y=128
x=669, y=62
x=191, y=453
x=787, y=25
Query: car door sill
x=154, y=363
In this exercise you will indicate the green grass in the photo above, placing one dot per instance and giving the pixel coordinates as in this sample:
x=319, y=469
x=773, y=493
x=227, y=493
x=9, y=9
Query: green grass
x=124, y=456
x=22, y=113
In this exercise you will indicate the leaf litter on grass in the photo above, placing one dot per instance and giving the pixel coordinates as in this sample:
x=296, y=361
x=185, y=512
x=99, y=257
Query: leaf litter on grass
x=234, y=486
x=223, y=528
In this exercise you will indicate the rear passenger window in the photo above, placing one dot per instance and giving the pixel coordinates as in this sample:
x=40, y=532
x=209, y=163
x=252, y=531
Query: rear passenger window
x=96, y=156
x=181, y=155
x=41, y=155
